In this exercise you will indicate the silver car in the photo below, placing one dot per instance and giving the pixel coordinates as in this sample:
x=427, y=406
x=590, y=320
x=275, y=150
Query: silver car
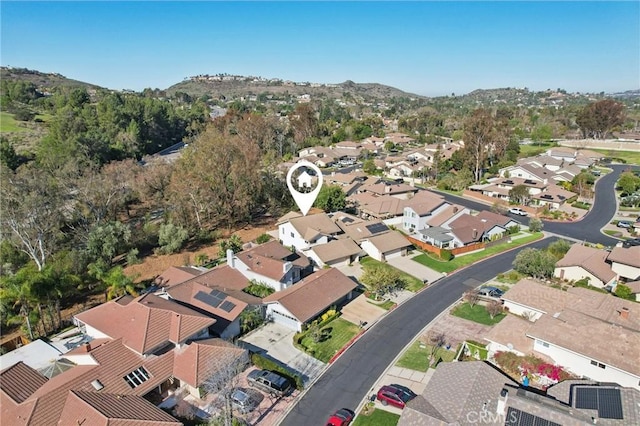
x=245, y=401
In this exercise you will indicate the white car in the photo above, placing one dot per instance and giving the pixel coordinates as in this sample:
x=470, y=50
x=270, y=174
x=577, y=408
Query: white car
x=518, y=211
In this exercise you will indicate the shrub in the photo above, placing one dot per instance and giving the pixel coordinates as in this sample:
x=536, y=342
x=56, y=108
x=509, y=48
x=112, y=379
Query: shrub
x=263, y=238
x=446, y=255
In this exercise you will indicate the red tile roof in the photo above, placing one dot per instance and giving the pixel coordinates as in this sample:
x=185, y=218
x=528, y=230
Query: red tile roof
x=175, y=275
x=20, y=381
x=93, y=408
x=197, y=362
x=147, y=322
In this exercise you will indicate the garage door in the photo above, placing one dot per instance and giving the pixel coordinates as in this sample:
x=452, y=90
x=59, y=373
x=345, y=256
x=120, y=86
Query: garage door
x=339, y=262
x=392, y=254
x=285, y=320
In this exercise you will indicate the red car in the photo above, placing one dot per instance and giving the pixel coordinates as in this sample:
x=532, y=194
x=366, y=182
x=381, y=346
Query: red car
x=395, y=395
x=342, y=417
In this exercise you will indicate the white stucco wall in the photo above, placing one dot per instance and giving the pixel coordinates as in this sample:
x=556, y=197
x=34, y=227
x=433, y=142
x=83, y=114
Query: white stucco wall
x=626, y=271
x=371, y=250
x=519, y=309
x=581, y=366
x=94, y=332
x=290, y=237
x=577, y=273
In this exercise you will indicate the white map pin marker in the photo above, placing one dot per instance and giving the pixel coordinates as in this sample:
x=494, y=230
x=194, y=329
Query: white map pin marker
x=304, y=200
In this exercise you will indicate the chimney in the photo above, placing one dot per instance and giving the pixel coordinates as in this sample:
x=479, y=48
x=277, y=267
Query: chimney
x=286, y=267
x=87, y=347
x=474, y=235
x=501, y=409
x=231, y=259
x=455, y=209
x=387, y=189
x=624, y=313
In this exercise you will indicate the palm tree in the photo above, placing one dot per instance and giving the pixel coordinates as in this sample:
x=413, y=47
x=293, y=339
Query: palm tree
x=118, y=284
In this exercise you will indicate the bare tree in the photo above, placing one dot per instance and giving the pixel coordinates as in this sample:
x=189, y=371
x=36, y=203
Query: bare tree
x=436, y=341
x=225, y=370
x=494, y=308
x=471, y=297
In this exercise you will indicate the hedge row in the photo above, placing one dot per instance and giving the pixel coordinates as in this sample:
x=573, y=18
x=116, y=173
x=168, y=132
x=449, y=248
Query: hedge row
x=267, y=364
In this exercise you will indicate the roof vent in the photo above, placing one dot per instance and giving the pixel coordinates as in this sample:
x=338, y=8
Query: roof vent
x=97, y=385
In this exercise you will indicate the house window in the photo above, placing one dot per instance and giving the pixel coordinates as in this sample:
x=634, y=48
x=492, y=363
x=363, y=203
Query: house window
x=598, y=364
x=292, y=235
x=136, y=377
x=283, y=231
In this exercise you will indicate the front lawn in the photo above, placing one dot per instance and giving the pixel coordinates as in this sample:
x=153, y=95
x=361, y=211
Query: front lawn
x=377, y=418
x=340, y=332
x=385, y=305
x=413, y=284
x=476, y=313
x=416, y=357
x=457, y=262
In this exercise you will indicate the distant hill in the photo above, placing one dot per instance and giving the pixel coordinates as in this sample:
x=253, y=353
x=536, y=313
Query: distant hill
x=236, y=86
x=629, y=94
x=44, y=81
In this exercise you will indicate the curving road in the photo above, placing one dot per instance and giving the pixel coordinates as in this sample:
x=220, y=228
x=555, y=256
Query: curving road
x=351, y=377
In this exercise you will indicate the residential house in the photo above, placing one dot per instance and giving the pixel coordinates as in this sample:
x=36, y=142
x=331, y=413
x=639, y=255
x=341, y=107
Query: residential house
x=591, y=334
x=504, y=221
x=625, y=262
x=135, y=347
x=476, y=392
x=415, y=216
x=271, y=263
x=303, y=232
x=340, y=252
x=385, y=246
x=467, y=229
x=582, y=262
x=225, y=309
x=401, y=191
x=357, y=228
x=562, y=153
x=176, y=274
x=301, y=303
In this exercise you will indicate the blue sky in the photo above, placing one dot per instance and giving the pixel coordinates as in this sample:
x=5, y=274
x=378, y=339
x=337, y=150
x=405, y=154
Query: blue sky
x=428, y=48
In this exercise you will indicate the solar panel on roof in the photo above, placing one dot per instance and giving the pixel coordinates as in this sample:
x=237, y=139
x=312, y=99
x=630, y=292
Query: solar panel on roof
x=517, y=417
x=227, y=306
x=377, y=227
x=208, y=299
x=610, y=404
x=587, y=398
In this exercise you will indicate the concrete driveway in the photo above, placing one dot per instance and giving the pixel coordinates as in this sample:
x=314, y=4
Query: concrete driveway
x=360, y=310
x=411, y=267
x=276, y=342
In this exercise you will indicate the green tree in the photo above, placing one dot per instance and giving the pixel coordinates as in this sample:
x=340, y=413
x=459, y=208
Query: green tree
x=559, y=248
x=629, y=183
x=598, y=119
x=250, y=319
x=234, y=243
x=117, y=283
x=108, y=240
x=380, y=280
x=624, y=292
x=535, y=224
x=536, y=263
x=369, y=166
x=331, y=198
x=8, y=156
x=519, y=194
x=171, y=237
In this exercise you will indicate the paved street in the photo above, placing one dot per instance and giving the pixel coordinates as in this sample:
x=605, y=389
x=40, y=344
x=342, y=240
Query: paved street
x=349, y=380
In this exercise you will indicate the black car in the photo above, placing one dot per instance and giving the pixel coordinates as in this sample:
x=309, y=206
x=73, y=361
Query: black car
x=270, y=382
x=631, y=243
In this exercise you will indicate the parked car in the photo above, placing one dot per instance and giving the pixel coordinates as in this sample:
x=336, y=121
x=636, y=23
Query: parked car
x=395, y=395
x=270, y=382
x=624, y=224
x=342, y=417
x=244, y=400
x=631, y=242
x=489, y=291
x=517, y=211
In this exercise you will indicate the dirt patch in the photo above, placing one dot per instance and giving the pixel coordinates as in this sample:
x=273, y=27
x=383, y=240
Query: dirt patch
x=154, y=265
